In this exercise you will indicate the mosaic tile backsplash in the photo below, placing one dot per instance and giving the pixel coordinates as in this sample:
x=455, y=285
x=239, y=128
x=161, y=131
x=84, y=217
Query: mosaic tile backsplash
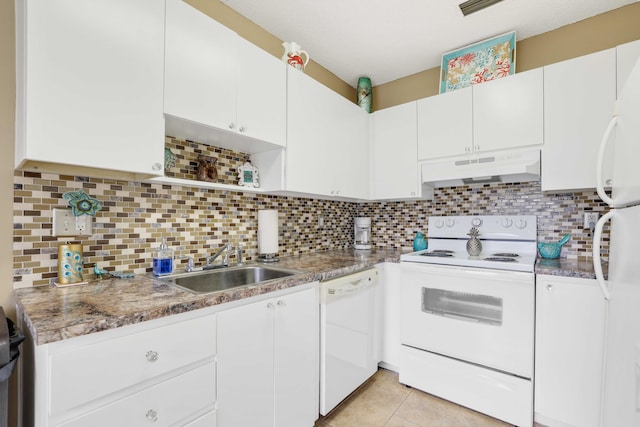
x=136, y=215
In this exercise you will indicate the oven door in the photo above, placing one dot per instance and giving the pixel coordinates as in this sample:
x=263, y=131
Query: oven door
x=475, y=315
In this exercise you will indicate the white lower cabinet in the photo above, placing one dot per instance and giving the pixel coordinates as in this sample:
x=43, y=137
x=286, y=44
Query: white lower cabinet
x=570, y=327
x=389, y=274
x=268, y=362
x=160, y=372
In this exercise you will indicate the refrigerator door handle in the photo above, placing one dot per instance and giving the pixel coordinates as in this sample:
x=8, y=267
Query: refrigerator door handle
x=600, y=162
x=597, y=263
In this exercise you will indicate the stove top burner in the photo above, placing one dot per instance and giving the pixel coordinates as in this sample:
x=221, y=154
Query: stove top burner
x=500, y=259
x=508, y=255
x=440, y=254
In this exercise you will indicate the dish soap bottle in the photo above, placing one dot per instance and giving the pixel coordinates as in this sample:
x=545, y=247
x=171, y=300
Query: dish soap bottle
x=163, y=259
x=419, y=243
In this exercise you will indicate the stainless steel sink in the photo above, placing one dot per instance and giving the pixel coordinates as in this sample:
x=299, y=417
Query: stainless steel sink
x=203, y=282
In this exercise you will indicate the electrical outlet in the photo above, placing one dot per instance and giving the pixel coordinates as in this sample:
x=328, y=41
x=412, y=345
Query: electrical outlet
x=590, y=219
x=67, y=225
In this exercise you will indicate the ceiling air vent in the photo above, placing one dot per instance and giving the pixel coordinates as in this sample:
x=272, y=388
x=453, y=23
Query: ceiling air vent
x=471, y=6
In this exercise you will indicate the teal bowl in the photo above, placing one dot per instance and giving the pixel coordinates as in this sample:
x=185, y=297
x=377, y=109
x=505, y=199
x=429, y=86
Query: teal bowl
x=552, y=250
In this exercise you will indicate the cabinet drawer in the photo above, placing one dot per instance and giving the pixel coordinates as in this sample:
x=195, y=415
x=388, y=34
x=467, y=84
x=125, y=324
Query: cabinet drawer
x=167, y=403
x=80, y=374
x=207, y=420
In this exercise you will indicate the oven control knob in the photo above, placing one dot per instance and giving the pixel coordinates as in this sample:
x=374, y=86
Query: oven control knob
x=476, y=222
x=439, y=223
x=506, y=222
x=450, y=223
x=521, y=224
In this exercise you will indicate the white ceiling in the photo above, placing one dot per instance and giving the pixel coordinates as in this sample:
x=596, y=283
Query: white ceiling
x=390, y=39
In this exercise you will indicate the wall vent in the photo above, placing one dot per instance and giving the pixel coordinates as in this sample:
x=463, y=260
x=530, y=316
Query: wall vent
x=471, y=6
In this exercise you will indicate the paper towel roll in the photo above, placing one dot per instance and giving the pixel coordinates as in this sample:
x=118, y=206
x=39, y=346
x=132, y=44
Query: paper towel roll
x=267, y=231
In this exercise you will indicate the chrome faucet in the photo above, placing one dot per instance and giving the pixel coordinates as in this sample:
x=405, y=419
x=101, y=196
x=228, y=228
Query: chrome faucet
x=225, y=261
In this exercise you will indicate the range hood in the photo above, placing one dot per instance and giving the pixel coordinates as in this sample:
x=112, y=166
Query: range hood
x=507, y=166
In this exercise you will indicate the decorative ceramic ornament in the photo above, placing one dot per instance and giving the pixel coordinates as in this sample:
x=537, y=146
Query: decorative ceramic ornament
x=365, y=93
x=81, y=203
x=207, y=169
x=293, y=55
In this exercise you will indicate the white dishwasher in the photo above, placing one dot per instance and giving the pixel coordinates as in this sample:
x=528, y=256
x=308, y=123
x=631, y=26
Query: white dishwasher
x=349, y=343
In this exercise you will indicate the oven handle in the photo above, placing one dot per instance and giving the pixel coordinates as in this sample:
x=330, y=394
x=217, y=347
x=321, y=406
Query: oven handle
x=597, y=263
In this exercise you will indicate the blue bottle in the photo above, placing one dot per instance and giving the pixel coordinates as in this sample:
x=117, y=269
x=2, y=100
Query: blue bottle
x=419, y=243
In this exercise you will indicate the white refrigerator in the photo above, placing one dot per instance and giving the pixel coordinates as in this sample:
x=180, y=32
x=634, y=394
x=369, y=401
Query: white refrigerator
x=621, y=373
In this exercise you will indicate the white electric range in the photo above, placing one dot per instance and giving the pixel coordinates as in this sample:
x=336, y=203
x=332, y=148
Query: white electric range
x=468, y=321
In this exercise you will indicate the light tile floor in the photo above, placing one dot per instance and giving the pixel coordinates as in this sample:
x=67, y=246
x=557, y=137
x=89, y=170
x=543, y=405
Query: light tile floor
x=383, y=402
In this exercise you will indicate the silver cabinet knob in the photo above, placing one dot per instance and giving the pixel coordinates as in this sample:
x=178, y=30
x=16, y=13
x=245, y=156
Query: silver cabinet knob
x=467, y=149
x=270, y=306
x=232, y=125
x=282, y=303
x=608, y=182
x=156, y=167
x=152, y=415
x=242, y=129
x=549, y=287
x=476, y=147
x=152, y=356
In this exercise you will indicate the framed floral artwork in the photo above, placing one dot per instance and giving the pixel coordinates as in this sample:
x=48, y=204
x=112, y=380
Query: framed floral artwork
x=477, y=63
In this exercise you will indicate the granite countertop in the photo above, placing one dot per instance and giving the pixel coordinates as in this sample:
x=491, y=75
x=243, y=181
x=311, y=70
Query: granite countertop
x=568, y=268
x=54, y=314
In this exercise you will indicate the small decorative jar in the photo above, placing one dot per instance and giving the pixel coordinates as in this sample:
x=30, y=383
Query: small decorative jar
x=419, y=242
x=365, y=93
x=474, y=246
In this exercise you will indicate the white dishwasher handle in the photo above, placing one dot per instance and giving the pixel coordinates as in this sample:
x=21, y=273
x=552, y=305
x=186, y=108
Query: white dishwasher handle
x=597, y=262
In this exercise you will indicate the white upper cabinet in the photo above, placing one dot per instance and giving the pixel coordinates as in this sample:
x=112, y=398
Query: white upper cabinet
x=501, y=114
x=262, y=94
x=508, y=112
x=445, y=125
x=394, y=139
x=626, y=57
x=200, y=66
x=579, y=95
x=89, y=86
x=326, y=141
x=219, y=88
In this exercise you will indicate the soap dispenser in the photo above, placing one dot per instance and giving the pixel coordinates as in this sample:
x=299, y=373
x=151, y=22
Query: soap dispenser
x=163, y=259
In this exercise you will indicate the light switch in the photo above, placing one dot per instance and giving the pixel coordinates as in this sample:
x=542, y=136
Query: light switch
x=65, y=224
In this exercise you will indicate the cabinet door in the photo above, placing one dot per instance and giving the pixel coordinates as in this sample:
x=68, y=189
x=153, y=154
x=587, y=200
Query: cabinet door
x=626, y=57
x=570, y=321
x=262, y=94
x=578, y=103
x=200, y=68
x=90, y=81
x=296, y=359
x=309, y=138
x=445, y=125
x=394, y=138
x=508, y=112
x=348, y=163
x=245, y=365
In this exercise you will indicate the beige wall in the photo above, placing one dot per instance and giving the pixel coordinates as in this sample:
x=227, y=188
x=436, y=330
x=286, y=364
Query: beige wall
x=584, y=37
x=256, y=35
